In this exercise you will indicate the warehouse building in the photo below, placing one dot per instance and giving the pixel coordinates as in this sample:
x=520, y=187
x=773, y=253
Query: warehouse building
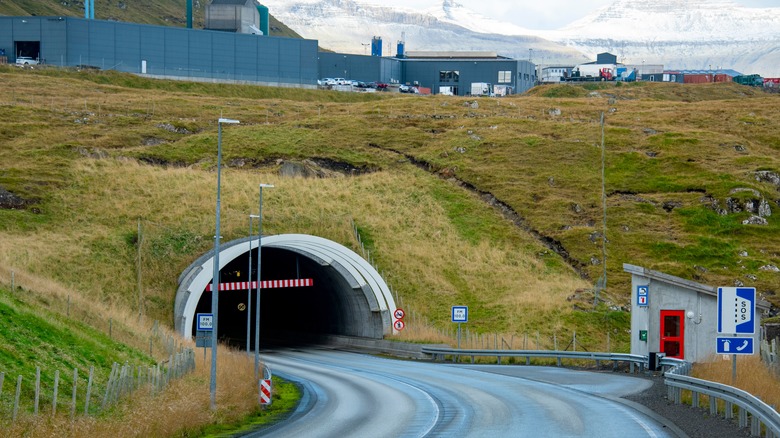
x=449, y=73
x=233, y=49
x=164, y=52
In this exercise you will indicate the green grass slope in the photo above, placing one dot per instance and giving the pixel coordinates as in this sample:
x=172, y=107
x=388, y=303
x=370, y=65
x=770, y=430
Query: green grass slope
x=89, y=154
x=32, y=336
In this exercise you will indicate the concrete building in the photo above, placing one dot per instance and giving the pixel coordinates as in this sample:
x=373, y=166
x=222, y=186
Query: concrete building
x=240, y=16
x=678, y=317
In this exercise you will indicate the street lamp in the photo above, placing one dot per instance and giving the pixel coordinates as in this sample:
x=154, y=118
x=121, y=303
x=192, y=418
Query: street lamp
x=259, y=272
x=249, y=288
x=215, y=278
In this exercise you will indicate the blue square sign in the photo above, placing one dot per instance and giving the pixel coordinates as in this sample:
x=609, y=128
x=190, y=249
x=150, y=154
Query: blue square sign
x=735, y=345
x=460, y=314
x=737, y=310
x=642, y=295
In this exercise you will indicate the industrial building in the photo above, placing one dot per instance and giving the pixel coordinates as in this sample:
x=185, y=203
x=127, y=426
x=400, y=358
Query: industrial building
x=163, y=52
x=235, y=47
x=449, y=73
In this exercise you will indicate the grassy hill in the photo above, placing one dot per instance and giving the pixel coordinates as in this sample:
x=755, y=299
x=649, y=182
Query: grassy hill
x=493, y=203
x=90, y=154
x=158, y=12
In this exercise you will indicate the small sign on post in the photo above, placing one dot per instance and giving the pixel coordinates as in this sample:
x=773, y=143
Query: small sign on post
x=736, y=316
x=265, y=392
x=460, y=314
x=205, y=322
x=735, y=345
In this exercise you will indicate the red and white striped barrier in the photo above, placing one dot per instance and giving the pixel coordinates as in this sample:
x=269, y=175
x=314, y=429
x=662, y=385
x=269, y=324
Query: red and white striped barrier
x=265, y=391
x=266, y=284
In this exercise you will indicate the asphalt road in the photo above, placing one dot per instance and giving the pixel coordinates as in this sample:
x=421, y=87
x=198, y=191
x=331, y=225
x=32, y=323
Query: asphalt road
x=354, y=395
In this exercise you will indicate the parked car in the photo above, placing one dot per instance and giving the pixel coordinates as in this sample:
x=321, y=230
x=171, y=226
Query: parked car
x=326, y=81
x=342, y=81
x=26, y=60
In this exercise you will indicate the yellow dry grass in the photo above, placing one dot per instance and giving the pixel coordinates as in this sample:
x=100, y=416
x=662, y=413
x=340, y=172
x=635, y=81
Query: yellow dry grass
x=753, y=376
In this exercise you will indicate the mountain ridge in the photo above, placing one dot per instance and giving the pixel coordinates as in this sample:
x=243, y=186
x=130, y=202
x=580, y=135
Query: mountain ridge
x=676, y=33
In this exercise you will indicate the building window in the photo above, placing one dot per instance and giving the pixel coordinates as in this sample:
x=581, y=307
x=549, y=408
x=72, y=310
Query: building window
x=504, y=77
x=449, y=76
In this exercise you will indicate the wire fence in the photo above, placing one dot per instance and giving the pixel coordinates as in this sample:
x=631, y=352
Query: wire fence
x=82, y=395
x=769, y=354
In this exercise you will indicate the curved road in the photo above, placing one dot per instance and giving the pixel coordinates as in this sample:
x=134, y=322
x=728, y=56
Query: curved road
x=355, y=395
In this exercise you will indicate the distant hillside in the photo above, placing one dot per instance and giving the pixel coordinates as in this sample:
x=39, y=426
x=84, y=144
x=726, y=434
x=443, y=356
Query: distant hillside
x=158, y=12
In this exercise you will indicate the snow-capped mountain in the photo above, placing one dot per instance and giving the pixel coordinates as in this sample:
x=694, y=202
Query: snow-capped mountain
x=685, y=34
x=347, y=26
x=693, y=34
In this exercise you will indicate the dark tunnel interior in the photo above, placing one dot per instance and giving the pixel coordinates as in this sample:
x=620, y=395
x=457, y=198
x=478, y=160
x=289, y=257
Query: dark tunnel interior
x=288, y=316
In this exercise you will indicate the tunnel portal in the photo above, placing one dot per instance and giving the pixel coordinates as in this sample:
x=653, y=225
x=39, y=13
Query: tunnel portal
x=348, y=296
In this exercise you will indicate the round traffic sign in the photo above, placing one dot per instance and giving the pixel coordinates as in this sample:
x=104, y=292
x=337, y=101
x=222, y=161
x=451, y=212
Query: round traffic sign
x=399, y=325
x=241, y=307
x=399, y=313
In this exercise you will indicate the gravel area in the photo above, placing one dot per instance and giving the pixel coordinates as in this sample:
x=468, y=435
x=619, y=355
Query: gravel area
x=694, y=422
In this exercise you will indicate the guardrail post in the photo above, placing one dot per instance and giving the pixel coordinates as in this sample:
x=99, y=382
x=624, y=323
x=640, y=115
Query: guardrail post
x=755, y=426
x=742, y=418
x=729, y=411
x=499, y=360
x=713, y=406
x=694, y=399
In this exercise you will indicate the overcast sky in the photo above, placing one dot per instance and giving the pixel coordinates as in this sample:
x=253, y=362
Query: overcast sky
x=536, y=14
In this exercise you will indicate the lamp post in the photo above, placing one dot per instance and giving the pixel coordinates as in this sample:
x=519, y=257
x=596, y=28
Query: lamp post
x=249, y=288
x=215, y=278
x=259, y=272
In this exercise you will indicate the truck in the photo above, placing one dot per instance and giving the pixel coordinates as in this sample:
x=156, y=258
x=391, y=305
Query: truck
x=481, y=89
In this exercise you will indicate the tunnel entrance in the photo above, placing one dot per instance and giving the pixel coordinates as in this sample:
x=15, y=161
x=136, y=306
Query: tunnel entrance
x=348, y=297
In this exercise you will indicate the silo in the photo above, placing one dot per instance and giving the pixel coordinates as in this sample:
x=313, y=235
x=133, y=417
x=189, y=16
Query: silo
x=376, y=46
x=263, y=11
x=399, y=53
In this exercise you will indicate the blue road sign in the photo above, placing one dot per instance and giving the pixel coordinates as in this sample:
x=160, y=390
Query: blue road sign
x=642, y=295
x=460, y=314
x=737, y=310
x=735, y=346
x=205, y=322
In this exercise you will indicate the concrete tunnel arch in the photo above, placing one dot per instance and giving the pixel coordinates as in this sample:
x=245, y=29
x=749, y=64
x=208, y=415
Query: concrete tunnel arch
x=349, y=296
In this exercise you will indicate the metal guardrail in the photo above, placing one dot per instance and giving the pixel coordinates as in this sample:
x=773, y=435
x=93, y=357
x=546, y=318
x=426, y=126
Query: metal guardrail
x=632, y=359
x=760, y=413
x=676, y=379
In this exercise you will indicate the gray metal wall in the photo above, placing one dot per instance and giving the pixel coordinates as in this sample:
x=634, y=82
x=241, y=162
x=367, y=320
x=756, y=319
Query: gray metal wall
x=359, y=67
x=426, y=73
x=168, y=51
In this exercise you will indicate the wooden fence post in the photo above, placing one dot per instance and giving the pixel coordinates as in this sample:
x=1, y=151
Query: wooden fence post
x=54, y=400
x=37, y=388
x=73, y=402
x=89, y=391
x=16, y=399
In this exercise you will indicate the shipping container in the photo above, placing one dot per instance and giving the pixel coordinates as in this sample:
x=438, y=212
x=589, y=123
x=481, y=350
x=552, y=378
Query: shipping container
x=772, y=82
x=697, y=78
x=722, y=78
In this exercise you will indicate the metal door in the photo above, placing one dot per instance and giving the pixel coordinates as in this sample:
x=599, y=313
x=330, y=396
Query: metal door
x=673, y=333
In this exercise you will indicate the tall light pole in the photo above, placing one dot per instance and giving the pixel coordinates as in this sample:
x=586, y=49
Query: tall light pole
x=249, y=288
x=215, y=278
x=259, y=272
